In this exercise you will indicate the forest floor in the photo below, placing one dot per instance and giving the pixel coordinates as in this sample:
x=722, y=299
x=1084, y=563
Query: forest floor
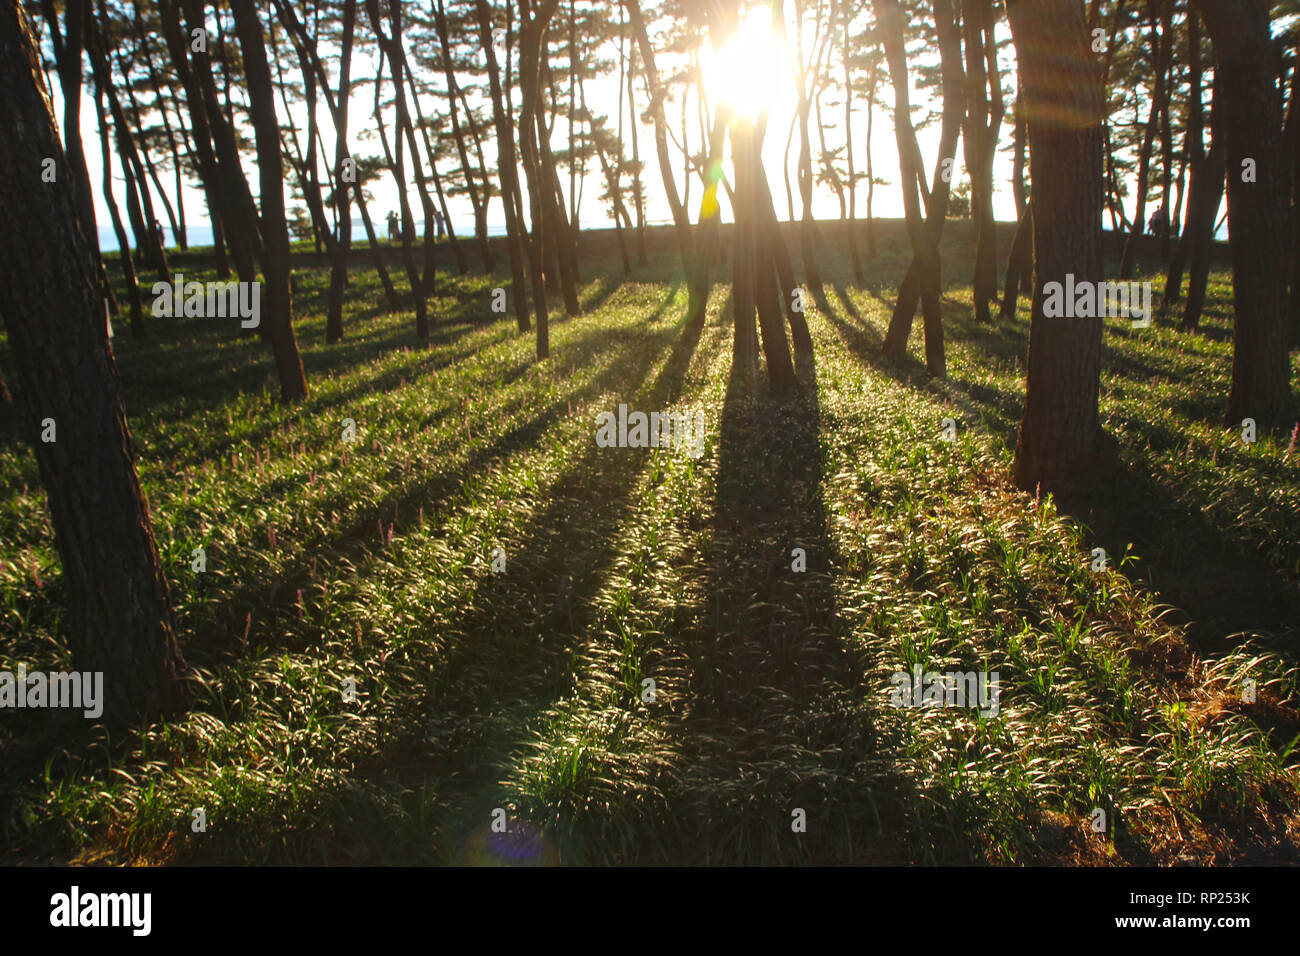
x=520, y=695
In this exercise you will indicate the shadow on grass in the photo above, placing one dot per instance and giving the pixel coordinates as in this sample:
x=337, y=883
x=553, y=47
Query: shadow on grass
x=522, y=634
x=361, y=534
x=509, y=653
x=1218, y=588
x=775, y=718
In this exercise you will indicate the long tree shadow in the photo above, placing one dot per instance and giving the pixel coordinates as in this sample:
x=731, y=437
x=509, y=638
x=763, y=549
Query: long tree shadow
x=518, y=640
x=556, y=566
x=402, y=506
x=775, y=731
x=509, y=652
x=1219, y=588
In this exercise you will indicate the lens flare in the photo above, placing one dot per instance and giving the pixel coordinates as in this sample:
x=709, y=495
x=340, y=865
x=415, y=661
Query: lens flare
x=749, y=73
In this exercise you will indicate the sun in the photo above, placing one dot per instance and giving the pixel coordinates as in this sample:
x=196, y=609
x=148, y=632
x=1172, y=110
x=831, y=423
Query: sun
x=749, y=74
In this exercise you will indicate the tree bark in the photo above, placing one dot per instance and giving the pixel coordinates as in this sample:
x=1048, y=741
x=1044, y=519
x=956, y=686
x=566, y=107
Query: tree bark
x=1020, y=264
x=533, y=29
x=120, y=620
x=1194, y=148
x=1061, y=439
x=984, y=109
x=123, y=243
x=1258, y=217
x=681, y=220
x=477, y=200
x=275, y=230
x=508, y=167
x=1160, y=43
x=923, y=280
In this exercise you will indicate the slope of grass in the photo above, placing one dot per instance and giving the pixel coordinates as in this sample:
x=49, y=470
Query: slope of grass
x=651, y=679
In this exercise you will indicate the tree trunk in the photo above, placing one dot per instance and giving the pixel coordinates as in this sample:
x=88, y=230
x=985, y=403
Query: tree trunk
x=1194, y=148
x=1293, y=145
x=984, y=111
x=123, y=243
x=508, y=167
x=1160, y=44
x=1258, y=216
x=1166, y=131
x=638, y=190
x=1020, y=264
x=228, y=203
x=744, y=341
x=681, y=220
x=275, y=230
x=708, y=226
x=923, y=280
x=477, y=200
x=871, y=171
x=67, y=56
x=854, y=256
x=120, y=616
x=1020, y=140
x=806, y=80
x=539, y=188
x=339, y=263
x=139, y=209
x=558, y=228
x=1061, y=438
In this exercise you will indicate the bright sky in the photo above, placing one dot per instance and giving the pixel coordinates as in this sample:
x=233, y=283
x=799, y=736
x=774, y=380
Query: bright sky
x=744, y=73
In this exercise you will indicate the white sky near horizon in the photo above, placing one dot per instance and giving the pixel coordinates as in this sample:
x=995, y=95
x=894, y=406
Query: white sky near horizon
x=602, y=98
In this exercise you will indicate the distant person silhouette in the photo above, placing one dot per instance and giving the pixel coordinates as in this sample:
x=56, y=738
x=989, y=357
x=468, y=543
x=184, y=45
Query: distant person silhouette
x=392, y=227
x=1158, y=225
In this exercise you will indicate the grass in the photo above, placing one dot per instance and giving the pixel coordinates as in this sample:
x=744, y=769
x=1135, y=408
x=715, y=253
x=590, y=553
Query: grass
x=522, y=695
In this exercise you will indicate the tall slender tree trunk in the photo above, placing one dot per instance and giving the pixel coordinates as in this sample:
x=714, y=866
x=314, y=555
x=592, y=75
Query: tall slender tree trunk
x=1161, y=39
x=508, y=167
x=871, y=171
x=68, y=45
x=533, y=29
x=681, y=220
x=120, y=621
x=558, y=228
x=1194, y=148
x=708, y=228
x=138, y=206
x=845, y=54
x=923, y=280
x=275, y=229
x=477, y=199
x=984, y=111
x=337, y=244
x=339, y=263
x=744, y=342
x=1259, y=227
x=1293, y=145
x=1200, y=235
x=1061, y=441
x=1166, y=131
x=805, y=79
x=1020, y=264
x=123, y=243
x=638, y=190
x=163, y=100
x=462, y=264
x=229, y=202
x=150, y=167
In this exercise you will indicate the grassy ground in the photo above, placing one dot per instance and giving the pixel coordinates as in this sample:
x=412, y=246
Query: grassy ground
x=370, y=562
